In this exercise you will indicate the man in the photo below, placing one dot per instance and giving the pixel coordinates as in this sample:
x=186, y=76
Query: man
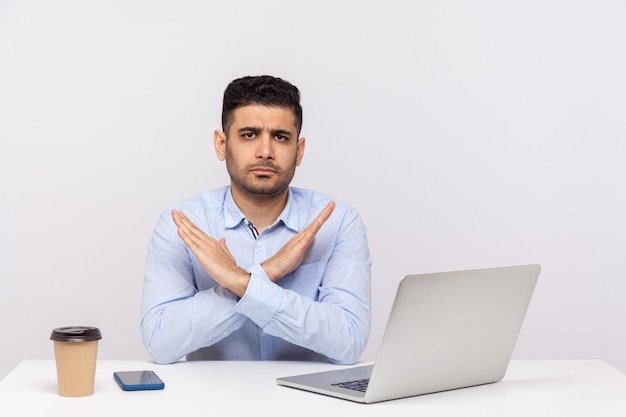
x=258, y=270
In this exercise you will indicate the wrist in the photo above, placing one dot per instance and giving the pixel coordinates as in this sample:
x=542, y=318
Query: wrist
x=269, y=271
x=240, y=282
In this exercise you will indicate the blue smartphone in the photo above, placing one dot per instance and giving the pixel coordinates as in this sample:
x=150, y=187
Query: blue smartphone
x=138, y=380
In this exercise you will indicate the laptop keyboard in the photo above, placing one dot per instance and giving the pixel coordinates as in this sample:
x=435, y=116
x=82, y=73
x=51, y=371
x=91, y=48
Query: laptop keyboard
x=358, y=385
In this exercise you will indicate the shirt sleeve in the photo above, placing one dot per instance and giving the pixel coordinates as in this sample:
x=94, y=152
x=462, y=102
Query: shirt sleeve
x=176, y=317
x=335, y=323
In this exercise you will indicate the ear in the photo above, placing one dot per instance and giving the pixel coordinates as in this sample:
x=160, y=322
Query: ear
x=300, y=151
x=219, y=142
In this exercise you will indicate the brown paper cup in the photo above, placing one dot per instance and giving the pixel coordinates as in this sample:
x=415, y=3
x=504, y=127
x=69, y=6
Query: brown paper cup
x=75, y=353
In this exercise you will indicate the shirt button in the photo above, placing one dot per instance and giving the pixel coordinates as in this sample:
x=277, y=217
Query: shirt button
x=263, y=334
x=225, y=333
x=286, y=337
x=259, y=243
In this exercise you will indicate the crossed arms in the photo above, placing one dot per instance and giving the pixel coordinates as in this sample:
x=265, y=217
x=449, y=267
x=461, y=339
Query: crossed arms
x=196, y=293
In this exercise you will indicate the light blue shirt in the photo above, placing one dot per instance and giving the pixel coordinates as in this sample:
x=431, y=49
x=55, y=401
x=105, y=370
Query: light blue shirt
x=321, y=311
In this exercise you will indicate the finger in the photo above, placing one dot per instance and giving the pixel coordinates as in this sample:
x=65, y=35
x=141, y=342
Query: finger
x=192, y=236
x=321, y=218
x=182, y=221
x=183, y=229
x=176, y=218
x=304, y=239
x=188, y=237
x=328, y=210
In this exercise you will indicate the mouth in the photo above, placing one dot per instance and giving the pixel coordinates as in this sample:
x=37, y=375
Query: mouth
x=263, y=171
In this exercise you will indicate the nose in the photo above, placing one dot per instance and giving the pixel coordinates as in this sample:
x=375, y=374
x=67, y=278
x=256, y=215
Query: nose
x=265, y=149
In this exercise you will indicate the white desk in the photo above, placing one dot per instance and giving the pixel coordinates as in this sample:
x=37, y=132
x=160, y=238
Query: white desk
x=221, y=389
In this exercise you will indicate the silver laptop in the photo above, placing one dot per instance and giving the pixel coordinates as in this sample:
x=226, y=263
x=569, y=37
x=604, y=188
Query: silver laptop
x=445, y=331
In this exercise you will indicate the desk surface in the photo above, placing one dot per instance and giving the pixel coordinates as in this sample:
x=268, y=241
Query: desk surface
x=213, y=388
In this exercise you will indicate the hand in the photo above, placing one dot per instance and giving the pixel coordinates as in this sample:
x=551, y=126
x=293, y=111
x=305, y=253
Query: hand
x=289, y=257
x=212, y=254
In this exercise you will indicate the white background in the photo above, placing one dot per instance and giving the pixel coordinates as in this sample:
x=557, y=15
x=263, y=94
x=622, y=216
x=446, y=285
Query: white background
x=468, y=134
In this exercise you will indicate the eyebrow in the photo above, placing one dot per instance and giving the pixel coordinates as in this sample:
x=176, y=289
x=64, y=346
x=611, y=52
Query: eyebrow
x=282, y=132
x=254, y=129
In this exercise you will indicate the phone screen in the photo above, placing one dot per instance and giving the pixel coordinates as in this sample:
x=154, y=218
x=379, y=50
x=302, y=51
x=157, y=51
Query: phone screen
x=138, y=380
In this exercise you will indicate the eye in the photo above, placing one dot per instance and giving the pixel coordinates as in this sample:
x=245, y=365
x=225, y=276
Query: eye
x=280, y=138
x=249, y=135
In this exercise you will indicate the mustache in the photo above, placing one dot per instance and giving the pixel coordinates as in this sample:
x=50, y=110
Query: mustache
x=264, y=164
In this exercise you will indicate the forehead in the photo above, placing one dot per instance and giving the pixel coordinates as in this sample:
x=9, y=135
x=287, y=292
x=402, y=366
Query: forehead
x=256, y=115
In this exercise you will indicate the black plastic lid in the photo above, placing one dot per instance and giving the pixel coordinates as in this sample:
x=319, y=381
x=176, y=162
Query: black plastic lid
x=76, y=334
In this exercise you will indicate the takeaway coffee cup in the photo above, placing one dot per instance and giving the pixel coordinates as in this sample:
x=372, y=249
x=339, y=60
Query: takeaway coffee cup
x=75, y=353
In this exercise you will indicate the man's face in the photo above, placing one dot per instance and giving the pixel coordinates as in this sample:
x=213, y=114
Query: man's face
x=261, y=149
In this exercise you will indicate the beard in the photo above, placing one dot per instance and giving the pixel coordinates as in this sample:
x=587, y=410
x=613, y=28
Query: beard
x=260, y=185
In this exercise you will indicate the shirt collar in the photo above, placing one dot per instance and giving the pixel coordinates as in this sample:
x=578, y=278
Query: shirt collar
x=233, y=215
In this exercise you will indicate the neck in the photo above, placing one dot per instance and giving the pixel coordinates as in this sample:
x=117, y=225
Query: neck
x=261, y=210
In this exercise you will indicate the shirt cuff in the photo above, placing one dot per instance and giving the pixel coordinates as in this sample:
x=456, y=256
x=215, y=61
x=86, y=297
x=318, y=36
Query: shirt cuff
x=262, y=298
